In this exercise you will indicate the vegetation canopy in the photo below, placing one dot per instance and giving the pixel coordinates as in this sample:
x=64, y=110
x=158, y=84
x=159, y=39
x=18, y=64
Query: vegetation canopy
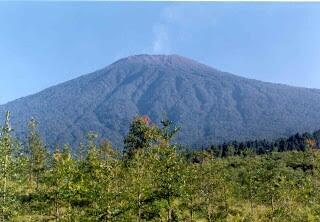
x=155, y=180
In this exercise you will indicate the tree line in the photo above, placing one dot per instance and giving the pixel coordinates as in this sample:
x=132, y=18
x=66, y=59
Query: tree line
x=295, y=142
x=154, y=180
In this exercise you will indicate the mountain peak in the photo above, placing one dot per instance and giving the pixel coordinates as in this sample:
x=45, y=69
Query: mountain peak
x=160, y=59
x=155, y=57
x=209, y=105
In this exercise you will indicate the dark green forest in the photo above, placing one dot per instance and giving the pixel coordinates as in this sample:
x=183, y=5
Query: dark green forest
x=153, y=179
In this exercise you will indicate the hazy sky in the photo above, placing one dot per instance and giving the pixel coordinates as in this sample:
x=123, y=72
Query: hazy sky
x=42, y=44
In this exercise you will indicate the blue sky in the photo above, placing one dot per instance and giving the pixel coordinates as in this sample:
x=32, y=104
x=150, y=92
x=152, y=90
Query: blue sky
x=45, y=43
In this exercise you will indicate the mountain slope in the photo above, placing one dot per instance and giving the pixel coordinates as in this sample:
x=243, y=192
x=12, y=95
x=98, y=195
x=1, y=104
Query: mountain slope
x=211, y=106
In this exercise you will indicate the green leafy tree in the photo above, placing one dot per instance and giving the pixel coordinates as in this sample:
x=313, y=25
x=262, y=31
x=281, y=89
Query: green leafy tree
x=141, y=134
x=37, y=154
x=169, y=178
x=140, y=185
x=7, y=171
x=60, y=186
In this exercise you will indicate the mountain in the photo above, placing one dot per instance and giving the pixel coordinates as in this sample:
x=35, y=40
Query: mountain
x=211, y=106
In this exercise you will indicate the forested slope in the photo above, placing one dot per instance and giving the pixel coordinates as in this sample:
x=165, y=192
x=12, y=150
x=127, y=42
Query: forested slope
x=211, y=106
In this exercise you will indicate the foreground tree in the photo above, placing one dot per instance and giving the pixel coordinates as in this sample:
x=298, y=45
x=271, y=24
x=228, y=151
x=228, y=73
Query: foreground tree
x=6, y=168
x=37, y=154
x=142, y=134
x=10, y=166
